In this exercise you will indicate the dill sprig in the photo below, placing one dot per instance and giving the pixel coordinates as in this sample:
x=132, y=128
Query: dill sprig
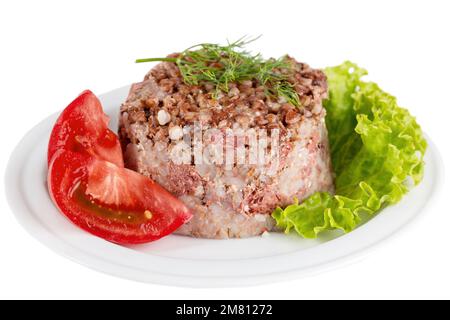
x=221, y=65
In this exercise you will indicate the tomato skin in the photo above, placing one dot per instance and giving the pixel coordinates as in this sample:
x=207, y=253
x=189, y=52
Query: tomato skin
x=83, y=127
x=69, y=170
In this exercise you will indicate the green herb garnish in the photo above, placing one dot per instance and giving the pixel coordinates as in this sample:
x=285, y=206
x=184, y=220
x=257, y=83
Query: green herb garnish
x=221, y=65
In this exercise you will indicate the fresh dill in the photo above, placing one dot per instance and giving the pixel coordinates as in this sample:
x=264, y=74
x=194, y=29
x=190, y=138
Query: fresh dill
x=221, y=65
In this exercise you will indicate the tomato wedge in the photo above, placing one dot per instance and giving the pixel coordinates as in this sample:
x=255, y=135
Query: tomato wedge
x=89, y=184
x=83, y=127
x=111, y=202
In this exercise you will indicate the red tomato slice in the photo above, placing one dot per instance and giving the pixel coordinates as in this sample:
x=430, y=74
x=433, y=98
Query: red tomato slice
x=111, y=202
x=83, y=127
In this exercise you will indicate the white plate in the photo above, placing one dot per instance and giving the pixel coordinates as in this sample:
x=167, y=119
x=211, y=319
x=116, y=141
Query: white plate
x=183, y=261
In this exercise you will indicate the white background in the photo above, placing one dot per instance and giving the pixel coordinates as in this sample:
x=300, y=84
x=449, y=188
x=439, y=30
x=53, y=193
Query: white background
x=51, y=50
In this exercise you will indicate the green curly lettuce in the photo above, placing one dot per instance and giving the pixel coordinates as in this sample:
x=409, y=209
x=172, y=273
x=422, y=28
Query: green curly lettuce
x=376, y=148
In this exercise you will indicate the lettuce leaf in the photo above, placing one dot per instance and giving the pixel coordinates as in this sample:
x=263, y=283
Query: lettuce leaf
x=376, y=147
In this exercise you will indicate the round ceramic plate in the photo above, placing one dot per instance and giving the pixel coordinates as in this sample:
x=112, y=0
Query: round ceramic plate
x=184, y=261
